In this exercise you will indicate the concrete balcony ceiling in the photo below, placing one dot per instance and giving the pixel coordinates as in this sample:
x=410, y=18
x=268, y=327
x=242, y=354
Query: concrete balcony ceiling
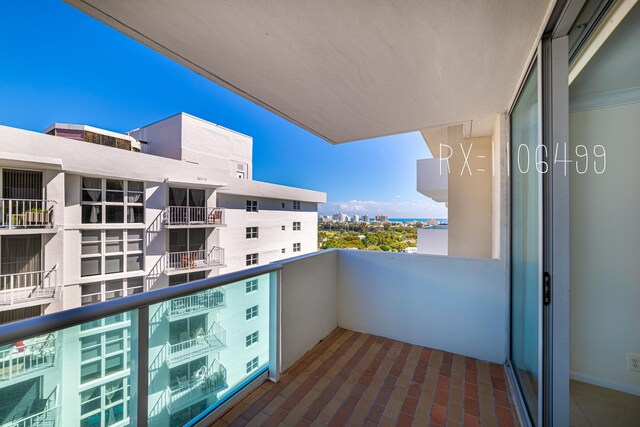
x=347, y=70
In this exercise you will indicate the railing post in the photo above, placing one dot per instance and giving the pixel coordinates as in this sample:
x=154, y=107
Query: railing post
x=142, y=408
x=10, y=214
x=11, y=287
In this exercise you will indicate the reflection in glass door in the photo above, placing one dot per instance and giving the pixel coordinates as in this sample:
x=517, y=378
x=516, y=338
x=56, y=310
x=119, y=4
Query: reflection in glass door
x=526, y=243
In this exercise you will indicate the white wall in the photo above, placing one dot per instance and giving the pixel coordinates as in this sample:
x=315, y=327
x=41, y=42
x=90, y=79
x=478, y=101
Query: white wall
x=433, y=241
x=453, y=304
x=309, y=309
x=269, y=219
x=470, y=195
x=163, y=137
x=498, y=182
x=605, y=244
x=207, y=143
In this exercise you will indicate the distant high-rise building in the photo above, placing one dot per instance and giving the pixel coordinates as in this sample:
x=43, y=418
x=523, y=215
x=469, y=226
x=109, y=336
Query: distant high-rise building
x=355, y=218
x=365, y=218
x=382, y=218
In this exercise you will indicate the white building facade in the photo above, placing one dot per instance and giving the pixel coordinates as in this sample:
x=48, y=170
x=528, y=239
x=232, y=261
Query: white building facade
x=162, y=205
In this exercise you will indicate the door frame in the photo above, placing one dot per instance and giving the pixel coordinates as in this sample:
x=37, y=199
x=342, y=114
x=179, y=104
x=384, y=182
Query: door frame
x=554, y=353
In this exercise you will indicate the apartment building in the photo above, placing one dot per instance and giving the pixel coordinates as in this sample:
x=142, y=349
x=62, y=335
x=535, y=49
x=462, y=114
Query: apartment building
x=159, y=206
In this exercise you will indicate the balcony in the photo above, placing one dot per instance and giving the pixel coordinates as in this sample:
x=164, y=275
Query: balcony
x=196, y=304
x=193, y=217
x=27, y=356
x=345, y=336
x=204, y=383
x=42, y=413
x=27, y=215
x=433, y=178
x=196, y=344
x=191, y=261
x=27, y=289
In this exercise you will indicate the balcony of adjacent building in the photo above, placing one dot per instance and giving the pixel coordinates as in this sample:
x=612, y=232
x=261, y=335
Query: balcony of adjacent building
x=25, y=358
x=193, y=305
x=345, y=336
x=204, y=382
x=193, y=217
x=26, y=289
x=42, y=411
x=433, y=178
x=27, y=216
x=180, y=262
x=187, y=343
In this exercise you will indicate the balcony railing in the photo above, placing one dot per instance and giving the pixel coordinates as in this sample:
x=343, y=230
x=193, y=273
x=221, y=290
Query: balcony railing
x=193, y=216
x=192, y=345
x=44, y=413
x=149, y=335
x=27, y=356
x=195, y=304
x=26, y=213
x=33, y=286
x=180, y=262
x=202, y=384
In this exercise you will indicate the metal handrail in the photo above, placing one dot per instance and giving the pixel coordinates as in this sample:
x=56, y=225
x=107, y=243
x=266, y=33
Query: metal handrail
x=192, y=215
x=25, y=284
x=189, y=260
x=40, y=325
x=26, y=213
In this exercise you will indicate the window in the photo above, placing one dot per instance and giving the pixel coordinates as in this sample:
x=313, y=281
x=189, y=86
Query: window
x=104, y=354
x=296, y=247
x=252, y=312
x=252, y=232
x=105, y=251
x=179, y=279
x=284, y=228
x=284, y=251
x=252, y=286
x=91, y=293
x=252, y=206
x=252, y=259
x=109, y=400
x=252, y=364
x=296, y=226
x=112, y=201
x=251, y=339
x=296, y=205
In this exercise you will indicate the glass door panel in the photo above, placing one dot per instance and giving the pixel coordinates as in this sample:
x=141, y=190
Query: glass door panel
x=526, y=243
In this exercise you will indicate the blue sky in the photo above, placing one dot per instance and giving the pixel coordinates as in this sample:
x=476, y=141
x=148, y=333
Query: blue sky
x=57, y=64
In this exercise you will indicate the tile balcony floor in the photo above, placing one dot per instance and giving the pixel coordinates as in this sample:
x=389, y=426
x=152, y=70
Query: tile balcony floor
x=351, y=378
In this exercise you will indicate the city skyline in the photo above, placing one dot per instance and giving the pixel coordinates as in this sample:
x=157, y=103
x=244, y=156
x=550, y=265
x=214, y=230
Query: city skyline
x=107, y=80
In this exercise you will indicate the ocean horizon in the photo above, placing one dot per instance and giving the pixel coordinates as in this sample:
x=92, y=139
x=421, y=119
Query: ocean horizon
x=416, y=219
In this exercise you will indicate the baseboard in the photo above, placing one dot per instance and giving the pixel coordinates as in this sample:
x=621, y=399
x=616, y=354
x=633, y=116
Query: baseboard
x=635, y=390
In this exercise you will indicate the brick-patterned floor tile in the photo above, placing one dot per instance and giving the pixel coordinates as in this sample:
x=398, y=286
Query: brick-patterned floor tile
x=351, y=378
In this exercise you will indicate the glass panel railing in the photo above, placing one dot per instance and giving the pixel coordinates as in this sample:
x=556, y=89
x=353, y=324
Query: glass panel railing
x=88, y=367
x=204, y=347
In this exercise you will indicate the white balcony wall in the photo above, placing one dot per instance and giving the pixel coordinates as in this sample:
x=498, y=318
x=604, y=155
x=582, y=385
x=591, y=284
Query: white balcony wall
x=309, y=310
x=433, y=241
x=453, y=304
x=458, y=305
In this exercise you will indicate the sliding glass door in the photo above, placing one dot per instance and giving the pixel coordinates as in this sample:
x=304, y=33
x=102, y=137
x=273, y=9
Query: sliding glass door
x=526, y=243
